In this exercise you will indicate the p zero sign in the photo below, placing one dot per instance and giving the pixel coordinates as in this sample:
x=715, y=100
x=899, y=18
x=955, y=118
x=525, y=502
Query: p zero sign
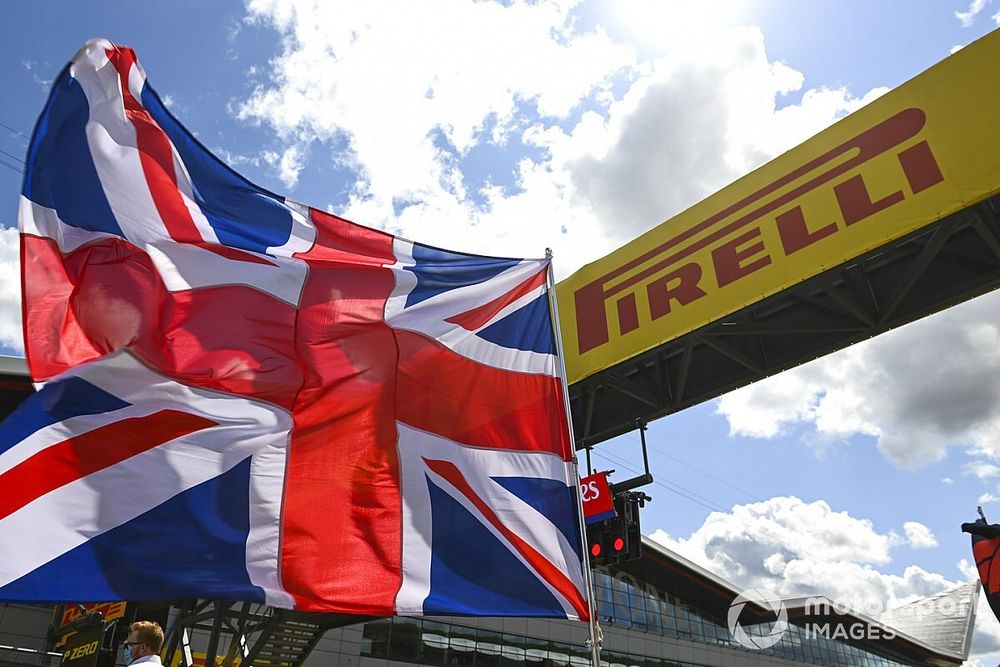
x=598, y=504
x=923, y=151
x=83, y=648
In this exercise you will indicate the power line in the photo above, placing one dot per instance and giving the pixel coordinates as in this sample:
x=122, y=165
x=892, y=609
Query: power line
x=11, y=155
x=15, y=131
x=693, y=496
x=746, y=493
x=12, y=167
x=19, y=162
x=635, y=439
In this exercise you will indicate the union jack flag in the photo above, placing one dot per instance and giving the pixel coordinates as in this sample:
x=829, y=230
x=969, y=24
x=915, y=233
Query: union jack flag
x=247, y=398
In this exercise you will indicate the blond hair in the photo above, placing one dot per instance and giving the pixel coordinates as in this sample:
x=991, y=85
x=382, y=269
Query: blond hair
x=149, y=633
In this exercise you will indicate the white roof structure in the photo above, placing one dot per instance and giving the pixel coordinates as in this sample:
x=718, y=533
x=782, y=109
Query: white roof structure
x=944, y=620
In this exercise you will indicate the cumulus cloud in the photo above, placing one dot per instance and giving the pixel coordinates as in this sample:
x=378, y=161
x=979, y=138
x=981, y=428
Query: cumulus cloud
x=10, y=291
x=968, y=17
x=981, y=470
x=469, y=76
x=608, y=143
x=885, y=388
x=702, y=117
x=793, y=548
x=336, y=76
x=919, y=536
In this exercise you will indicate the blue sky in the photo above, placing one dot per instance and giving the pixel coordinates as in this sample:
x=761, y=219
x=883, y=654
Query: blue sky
x=506, y=129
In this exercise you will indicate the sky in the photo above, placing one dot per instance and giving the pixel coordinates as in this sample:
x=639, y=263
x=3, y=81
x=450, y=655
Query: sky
x=507, y=128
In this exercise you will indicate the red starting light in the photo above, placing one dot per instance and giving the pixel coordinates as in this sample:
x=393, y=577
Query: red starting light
x=616, y=539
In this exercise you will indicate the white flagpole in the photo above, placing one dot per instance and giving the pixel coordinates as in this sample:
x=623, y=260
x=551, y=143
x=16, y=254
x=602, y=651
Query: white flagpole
x=588, y=575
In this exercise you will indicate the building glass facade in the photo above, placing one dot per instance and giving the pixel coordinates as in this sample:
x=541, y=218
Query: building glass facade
x=434, y=643
x=622, y=602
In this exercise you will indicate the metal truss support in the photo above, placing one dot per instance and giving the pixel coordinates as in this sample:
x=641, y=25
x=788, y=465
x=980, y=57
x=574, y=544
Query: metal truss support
x=246, y=633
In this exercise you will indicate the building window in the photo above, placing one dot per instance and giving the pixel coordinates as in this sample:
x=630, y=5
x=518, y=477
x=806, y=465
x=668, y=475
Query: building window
x=434, y=643
x=404, y=640
x=375, y=639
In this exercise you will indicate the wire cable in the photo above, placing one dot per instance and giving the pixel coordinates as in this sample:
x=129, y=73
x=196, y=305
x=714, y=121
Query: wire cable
x=695, y=468
x=12, y=167
x=15, y=131
x=693, y=496
x=15, y=157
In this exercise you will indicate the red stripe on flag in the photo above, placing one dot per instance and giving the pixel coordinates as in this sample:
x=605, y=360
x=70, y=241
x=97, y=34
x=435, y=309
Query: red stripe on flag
x=157, y=158
x=72, y=459
x=475, y=404
x=107, y=296
x=549, y=572
x=341, y=518
x=477, y=317
x=58, y=340
x=155, y=154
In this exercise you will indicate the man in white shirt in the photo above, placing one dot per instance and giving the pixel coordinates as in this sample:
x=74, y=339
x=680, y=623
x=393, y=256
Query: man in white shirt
x=143, y=644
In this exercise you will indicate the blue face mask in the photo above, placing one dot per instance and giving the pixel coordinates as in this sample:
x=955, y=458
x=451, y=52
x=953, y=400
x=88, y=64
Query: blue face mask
x=128, y=654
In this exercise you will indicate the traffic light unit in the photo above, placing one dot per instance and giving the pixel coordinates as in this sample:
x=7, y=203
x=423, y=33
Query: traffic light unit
x=618, y=539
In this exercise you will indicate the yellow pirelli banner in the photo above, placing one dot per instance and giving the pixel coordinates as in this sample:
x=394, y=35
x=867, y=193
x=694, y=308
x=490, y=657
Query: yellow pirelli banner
x=922, y=151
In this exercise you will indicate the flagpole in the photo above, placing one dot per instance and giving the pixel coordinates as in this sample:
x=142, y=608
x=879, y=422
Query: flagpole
x=588, y=575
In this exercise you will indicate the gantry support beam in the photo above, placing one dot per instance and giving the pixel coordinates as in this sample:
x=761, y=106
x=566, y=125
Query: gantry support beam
x=950, y=261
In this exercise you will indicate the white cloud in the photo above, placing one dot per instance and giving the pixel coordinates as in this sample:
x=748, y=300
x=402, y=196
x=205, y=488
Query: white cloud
x=793, y=548
x=968, y=17
x=919, y=536
x=388, y=76
x=947, y=480
x=654, y=138
x=10, y=290
x=987, y=498
x=408, y=90
x=981, y=470
x=701, y=117
x=236, y=160
x=289, y=164
x=886, y=389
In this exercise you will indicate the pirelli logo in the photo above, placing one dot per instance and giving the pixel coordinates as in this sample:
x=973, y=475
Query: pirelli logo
x=808, y=207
